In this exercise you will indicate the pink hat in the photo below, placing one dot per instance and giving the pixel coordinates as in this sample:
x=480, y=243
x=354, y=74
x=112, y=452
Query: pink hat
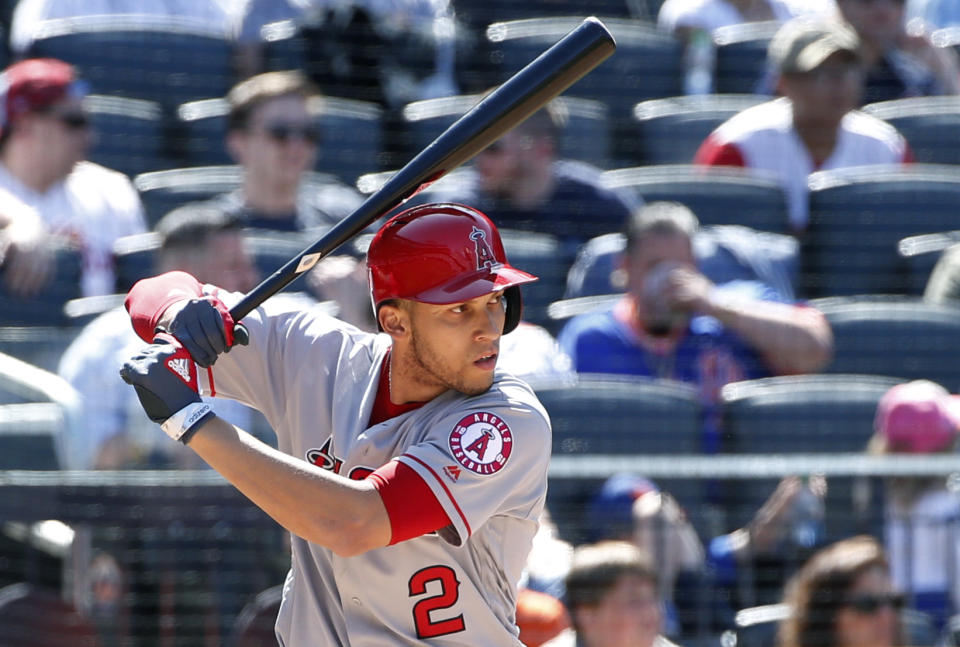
x=35, y=84
x=918, y=417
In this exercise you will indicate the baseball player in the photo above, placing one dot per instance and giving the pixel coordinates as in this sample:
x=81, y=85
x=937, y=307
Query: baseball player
x=410, y=473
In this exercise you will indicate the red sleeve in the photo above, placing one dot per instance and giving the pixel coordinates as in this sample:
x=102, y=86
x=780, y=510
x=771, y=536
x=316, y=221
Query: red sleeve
x=148, y=298
x=411, y=505
x=713, y=153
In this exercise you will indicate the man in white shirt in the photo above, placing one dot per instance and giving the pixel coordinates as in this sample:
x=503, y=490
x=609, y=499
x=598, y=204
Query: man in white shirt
x=44, y=137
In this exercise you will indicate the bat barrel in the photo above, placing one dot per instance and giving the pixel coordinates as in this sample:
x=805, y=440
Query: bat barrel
x=555, y=70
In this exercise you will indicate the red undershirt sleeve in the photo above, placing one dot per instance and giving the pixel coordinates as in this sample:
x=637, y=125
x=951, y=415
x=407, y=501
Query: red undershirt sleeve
x=148, y=298
x=411, y=505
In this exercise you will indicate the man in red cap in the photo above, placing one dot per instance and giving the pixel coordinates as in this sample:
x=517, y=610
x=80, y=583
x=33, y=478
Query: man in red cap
x=44, y=136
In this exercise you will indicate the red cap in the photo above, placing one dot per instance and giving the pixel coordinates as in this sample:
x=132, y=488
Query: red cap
x=918, y=417
x=35, y=84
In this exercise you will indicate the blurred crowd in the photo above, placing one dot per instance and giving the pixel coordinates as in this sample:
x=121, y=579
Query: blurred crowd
x=663, y=260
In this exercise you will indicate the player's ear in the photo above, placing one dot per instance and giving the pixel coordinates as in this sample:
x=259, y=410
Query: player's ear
x=394, y=319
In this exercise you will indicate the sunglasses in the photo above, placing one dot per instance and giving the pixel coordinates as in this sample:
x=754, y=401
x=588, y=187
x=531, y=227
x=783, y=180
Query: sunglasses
x=74, y=120
x=871, y=603
x=285, y=132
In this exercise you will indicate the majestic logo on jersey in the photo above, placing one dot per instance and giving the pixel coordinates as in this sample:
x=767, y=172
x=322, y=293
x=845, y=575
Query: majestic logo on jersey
x=485, y=257
x=482, y=443
x=181, y=367
x=452, y=472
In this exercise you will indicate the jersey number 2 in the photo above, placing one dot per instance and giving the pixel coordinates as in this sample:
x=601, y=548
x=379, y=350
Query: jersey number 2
x=448, y=596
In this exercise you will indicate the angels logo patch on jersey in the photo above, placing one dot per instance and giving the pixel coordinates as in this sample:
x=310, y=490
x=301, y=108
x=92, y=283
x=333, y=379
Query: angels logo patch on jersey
x=481, y=442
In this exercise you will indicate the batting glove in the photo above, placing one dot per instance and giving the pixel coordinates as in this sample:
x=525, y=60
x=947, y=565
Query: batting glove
x=205, y=328
x=165, y=378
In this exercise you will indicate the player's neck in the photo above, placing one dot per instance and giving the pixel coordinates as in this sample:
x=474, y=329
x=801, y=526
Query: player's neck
x=404, y=384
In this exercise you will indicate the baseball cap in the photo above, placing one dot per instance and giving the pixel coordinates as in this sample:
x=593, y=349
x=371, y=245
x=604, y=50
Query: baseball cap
x=802, y=44
x=610, y=511
x=34, y=84
x=918, y=417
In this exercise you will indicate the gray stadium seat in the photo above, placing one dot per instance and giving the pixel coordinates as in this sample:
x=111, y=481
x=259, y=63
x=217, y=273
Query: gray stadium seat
x=742, y=56
x=930, y=125
x=141, y=60
x=903, y=337
x=585, y=136
x=671, y=130
x=858, y=217
x=718, y=195
x=647, y=65
x=351, y=135
x=130, y=134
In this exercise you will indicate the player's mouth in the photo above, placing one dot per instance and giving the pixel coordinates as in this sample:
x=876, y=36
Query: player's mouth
x=487, y=362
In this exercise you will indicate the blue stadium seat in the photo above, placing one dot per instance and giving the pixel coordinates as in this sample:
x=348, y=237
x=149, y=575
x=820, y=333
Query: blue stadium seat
x=130, y=134
x=903, y=337
x=167, y=60
x=544, y=256
x=33, y=615
x=585, y=135
x=254, y=627
x=606, y=414
x=647, y=65
x=284, y=47
x=718, y=195
x=922, y=253
x=858, y=217
x=351, y=135
x=741, y=50
x=46, y=307
x=671, y=130
x=930, y=125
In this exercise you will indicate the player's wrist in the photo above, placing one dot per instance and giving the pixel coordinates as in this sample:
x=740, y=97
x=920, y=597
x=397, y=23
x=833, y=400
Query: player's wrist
x=183, y=424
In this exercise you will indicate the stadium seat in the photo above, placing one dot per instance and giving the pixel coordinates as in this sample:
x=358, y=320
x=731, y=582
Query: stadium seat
x=254, y=627
x=585, y=135
x=724, y=253
x=39, y=345
x=742, y=56
x=167, y=60
x=647, y=65
x=163, y=191
x=130, y=134
x=717, y=195
x=542, y=255
x=858, y=217
x=671, y=130
x=902, y=337
x=351, y=135
x=616, y=415
x=922, y=253
x=45, y=308
x=283, y=46
x=930, y=125
x=38, y=617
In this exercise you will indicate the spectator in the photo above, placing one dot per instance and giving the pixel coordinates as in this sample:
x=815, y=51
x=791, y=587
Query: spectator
x=843, y=597
x=44, y=138
x=613, y=598
x=540, y=617
x=520, y=182
x=25, y=256
x=921, y=417
x=680, y=17
x=814, y=125
x=943, y=286
x=273, y=137
x=899, y=63
x=195, y=239
x=209, y=16
x=673, y=323
x=750, y=565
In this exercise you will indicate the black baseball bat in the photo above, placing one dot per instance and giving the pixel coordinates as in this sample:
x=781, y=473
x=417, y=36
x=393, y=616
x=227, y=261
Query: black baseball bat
x=559, y=67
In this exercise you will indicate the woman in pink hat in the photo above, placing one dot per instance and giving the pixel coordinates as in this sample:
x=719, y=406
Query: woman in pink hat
x=922, y=527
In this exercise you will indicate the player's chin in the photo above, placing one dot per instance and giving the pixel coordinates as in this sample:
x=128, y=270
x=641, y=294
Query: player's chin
x=476, y=384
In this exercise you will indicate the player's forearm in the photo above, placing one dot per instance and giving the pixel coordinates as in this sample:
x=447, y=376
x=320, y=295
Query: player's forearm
x=344, y=515
x=792, y=339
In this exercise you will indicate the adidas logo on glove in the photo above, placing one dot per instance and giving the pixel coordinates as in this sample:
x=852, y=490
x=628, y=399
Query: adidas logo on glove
x=181, y=367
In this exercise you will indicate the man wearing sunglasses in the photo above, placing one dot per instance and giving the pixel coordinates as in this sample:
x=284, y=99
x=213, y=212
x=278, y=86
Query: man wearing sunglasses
x=273, y=136
x=44, y=137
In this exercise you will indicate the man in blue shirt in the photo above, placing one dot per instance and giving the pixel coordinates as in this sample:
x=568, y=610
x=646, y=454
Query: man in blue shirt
x=674, y=323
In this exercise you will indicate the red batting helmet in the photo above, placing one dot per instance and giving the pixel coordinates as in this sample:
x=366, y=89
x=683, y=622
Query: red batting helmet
x=440, y=254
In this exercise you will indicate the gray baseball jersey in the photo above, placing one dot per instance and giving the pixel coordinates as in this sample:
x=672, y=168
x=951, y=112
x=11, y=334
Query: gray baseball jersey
x=484, y=457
